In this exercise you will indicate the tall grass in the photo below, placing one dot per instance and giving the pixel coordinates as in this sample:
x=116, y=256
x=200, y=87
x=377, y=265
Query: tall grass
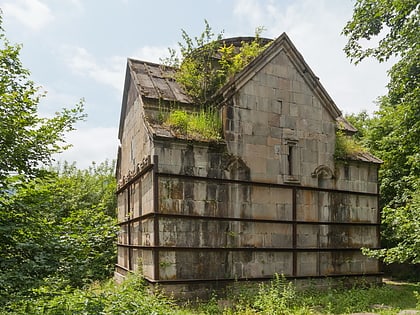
x=346, y=146
x=133, y=297
x=282, y=297
x=202, y=125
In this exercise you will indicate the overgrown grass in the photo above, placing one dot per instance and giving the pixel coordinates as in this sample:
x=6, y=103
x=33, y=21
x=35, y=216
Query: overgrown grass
x=346, y=146
x=202, y=125
x=130, y=297
x=281, y=297
x=276, y=297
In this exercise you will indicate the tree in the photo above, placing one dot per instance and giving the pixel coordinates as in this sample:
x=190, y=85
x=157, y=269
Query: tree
x=58, y=230
x=27, y=141
x=54, y=224
x=207, y=63
x=394, y=133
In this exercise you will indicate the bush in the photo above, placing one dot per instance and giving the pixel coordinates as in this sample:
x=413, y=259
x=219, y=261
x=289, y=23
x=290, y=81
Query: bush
x=132, y=297
x=203, y=125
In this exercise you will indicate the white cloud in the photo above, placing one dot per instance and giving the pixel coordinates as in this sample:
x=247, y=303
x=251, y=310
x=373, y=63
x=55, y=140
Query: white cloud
x=109, y=71
x=315, y=27
x=90, y=145
x=251, y=10
x=77, y=4
x=151, y=53
x=34, y=14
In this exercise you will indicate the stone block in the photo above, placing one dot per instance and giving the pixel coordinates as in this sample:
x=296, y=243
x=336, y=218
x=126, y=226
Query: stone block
x=282, y=240
x=276, y=133
x=307, y=236
x=258, y=166
x=261, y=130
x=274, y=120
x=273, y=167
x=260, y=194
x=251, y=240
x=306, y=264
x=276, y=106
x=264, y=104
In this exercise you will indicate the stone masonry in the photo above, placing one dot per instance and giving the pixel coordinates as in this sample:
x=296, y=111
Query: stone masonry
x=270, y=198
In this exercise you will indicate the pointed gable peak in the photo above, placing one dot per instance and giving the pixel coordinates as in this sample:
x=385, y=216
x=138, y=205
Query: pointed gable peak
x=281, y=44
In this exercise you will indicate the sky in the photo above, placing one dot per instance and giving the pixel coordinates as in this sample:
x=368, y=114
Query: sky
x=78, y=49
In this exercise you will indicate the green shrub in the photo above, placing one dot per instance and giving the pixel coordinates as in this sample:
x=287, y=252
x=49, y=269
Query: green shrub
x=278, y=297
x=132, y=297
x=206, y=63
x=202, y=125
x=346, y=146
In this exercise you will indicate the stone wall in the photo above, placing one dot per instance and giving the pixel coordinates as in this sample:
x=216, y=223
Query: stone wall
x=274, y=113
x=230, y=227
x=268, y=199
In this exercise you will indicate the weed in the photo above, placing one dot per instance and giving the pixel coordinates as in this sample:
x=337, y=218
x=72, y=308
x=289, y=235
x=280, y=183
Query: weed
x=346, y=146
x=278, y=296
x=202, y=125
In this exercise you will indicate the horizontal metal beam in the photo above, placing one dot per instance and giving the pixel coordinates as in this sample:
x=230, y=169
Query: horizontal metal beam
x=325, y=276
x=214, y=218
x=255, y=183
x=137, y=176
x=236, y=249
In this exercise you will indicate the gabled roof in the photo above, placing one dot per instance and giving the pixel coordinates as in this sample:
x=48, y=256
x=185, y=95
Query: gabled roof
x=364, y=157
x=152, y=81
x=282, y=43
x=156, y=82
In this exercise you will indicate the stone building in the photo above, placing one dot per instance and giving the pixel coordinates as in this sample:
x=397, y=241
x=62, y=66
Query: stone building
x=269, y=198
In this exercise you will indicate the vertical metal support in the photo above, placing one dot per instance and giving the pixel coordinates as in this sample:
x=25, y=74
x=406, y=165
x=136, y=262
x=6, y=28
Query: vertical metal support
x=294, y=230
x=130, y=250
x=155, y=184
x=379, y=215
x=140, y=197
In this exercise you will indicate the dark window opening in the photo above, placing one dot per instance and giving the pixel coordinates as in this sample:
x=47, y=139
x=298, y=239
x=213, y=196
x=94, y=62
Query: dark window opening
x=346, y=172
x=290, y=160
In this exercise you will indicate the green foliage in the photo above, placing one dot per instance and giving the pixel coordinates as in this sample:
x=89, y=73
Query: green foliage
x=198, y=72
x=282, y=297
x=396, y=23
x=204, y=125
x=207, y=63
x=26, y=140
x=401, y=230
x=60, y=227
x=393, y=133
x=131, y=298
x=362, y=121
x=346, y=146
x=278, y=297
x=232, y=61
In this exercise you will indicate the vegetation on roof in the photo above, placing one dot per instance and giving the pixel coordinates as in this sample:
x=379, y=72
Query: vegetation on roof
x=207, y=62
x=205, y=65
x=346, y=146
x=202, y=125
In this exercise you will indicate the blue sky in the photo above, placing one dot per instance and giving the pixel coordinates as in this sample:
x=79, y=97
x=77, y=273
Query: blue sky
x=78, y=49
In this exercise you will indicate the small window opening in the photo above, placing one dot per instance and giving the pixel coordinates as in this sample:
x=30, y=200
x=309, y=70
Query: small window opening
x=290, y=160
x=346, y=172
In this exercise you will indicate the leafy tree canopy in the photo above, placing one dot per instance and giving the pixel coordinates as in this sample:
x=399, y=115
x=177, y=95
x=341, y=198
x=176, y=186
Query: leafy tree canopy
x=394, y=23
x=393, y=134
x=58, y=230
x=26, y=140
x=206, y=62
